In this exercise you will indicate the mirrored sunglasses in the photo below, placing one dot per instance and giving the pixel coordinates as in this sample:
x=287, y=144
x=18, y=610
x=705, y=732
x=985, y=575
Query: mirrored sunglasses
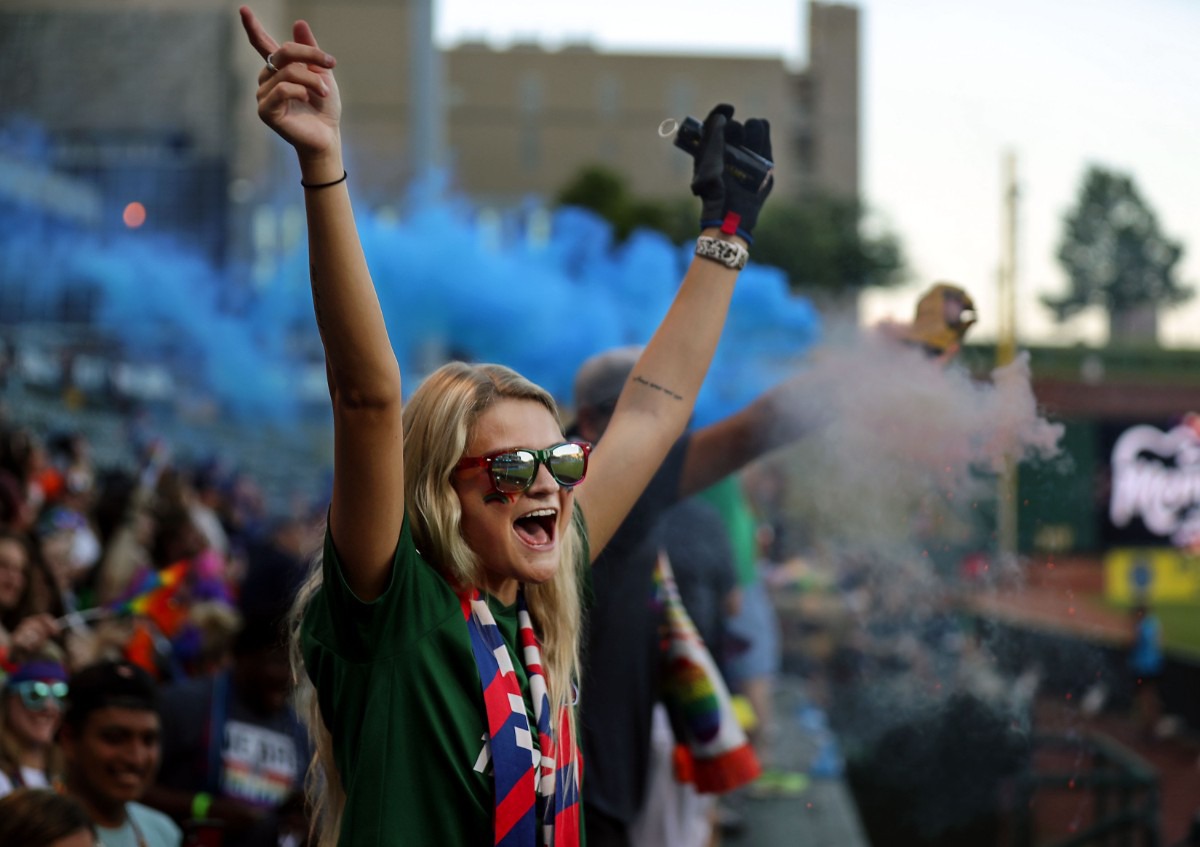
x=513, y=471
x=38, y=695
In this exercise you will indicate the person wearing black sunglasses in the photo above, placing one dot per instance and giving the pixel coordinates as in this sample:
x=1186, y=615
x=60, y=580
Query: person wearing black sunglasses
x=441, y=629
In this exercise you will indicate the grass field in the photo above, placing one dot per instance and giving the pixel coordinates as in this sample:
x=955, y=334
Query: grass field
x=1180, y=623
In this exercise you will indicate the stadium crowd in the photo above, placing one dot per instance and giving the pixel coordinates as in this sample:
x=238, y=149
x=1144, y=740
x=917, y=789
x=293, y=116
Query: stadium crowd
x=144, y=676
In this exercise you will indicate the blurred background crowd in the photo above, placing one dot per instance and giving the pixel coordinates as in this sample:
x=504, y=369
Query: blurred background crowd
x=176, y=571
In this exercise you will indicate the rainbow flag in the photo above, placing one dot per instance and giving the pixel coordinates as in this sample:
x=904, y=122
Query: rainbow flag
x=156, y=596
x=714, y=753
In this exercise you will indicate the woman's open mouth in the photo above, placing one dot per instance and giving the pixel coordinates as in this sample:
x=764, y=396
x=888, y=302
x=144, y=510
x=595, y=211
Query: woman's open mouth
x=537, y=528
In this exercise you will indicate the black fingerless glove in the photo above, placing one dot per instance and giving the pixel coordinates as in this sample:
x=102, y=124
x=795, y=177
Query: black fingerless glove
x=730, y=199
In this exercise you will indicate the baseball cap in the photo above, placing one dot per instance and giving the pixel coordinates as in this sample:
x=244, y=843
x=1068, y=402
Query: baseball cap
x=110, y=684
x=944, y=314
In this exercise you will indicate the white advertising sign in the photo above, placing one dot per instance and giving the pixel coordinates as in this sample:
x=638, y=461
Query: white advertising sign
x=1156, y=477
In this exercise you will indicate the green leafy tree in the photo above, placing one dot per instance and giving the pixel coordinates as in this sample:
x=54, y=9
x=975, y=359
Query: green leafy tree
x=1114, y=253
x=607, y=193
x=820, y=242
x=823, y=244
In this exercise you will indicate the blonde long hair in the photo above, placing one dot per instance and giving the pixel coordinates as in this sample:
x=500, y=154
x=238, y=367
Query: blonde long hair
x=437, y=425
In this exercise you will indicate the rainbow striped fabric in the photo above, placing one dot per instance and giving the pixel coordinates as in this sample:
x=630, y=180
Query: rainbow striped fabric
x=713, y=752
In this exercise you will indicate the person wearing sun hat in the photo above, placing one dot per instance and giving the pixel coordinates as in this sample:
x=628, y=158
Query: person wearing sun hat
x=31, y=708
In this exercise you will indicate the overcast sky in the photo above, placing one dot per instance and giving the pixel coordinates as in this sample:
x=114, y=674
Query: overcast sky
x=948, y=87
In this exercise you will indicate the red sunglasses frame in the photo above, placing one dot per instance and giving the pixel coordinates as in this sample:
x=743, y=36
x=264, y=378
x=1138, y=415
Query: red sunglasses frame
x=540, y=458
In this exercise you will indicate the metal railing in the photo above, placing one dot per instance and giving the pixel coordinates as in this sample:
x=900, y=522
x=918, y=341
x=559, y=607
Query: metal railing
x=1124, y=789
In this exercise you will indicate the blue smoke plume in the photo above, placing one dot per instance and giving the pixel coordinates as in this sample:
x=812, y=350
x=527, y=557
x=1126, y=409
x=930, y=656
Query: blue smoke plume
x=449, y=286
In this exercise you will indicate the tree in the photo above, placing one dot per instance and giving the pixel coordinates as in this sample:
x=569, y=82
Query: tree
x=1116, y=256
x=606, y=193
x=820, y=242
x=824, y=246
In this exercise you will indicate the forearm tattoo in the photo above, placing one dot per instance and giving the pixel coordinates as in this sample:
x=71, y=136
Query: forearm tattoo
x=654, y=385
x=316, y=297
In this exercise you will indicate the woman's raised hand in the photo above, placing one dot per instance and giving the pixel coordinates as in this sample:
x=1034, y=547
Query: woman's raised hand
x=298, y=98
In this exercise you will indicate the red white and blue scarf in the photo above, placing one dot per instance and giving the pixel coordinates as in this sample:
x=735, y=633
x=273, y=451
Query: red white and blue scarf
x=529, y=786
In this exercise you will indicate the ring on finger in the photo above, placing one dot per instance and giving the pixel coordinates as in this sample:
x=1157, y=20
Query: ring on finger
x=271, y=65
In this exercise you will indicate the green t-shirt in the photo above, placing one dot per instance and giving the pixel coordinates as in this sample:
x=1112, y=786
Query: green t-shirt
x=728, y=498
x=399, y=690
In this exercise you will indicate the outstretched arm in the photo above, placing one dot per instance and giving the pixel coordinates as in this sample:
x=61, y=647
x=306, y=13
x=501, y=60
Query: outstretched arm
x=658, y=399
x=300, y=101
x=797, y=406
x=776, y=418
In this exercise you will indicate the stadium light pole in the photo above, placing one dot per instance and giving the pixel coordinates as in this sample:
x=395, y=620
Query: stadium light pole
x=1006, y=350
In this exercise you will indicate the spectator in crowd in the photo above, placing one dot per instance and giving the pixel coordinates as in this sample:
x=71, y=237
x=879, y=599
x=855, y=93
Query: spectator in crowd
x=1146, y=665
x=67, y=550
x=127, y=525
x=14, y=575
x=23, y=454
x=41, y=817
x=244, y=512
x=68, y=510
x=752, y=661
x=16, y=515
x=50, y=593
x=71, y=456
x=177, y=535
x=701, y=558
x=27, y=621
x=31, y=709
x=203, y=500
x=234, y=750
x=620, y=679
x=110, y=737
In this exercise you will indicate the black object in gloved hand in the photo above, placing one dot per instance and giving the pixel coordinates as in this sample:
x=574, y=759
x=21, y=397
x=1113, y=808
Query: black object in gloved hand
x=730, y=199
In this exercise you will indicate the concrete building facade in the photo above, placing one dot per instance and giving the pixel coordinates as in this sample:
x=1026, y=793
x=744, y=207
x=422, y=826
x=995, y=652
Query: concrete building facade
x=152, y=100
x=523, y=120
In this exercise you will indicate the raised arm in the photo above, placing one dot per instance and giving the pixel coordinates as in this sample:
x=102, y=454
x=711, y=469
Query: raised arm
x=657, y=401
x=298, y=98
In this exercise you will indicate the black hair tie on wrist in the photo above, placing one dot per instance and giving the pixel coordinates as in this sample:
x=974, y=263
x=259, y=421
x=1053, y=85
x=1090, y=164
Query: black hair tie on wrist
x=315, y=186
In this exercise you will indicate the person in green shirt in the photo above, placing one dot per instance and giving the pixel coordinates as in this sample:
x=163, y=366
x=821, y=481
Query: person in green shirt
x=440, y=632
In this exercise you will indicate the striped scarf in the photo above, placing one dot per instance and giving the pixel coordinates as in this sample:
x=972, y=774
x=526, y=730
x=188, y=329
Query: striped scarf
x=528, y=786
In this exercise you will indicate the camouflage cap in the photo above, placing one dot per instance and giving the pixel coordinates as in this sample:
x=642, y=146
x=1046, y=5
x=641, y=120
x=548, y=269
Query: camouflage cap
x=944, y=314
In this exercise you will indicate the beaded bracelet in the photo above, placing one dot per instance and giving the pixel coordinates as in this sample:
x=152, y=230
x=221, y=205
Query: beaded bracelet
x=727, y=253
